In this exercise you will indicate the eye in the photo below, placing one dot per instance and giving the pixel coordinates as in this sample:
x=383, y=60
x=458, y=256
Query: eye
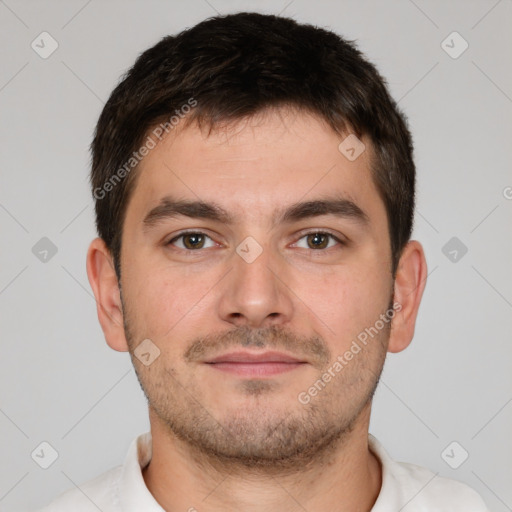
x=194, y=240
x=319, y=240
x=191, y=240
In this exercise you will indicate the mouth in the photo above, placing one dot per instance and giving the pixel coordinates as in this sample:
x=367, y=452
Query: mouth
x=247, y=364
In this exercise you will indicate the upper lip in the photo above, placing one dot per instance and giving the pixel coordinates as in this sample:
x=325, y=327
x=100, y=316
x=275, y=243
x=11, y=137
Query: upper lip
x=251, y=357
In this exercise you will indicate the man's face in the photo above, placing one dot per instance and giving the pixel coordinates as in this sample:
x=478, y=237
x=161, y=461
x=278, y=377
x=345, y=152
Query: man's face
x=262, y=282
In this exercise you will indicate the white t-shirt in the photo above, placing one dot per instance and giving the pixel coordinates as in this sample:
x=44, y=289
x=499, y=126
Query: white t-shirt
x=405, y=488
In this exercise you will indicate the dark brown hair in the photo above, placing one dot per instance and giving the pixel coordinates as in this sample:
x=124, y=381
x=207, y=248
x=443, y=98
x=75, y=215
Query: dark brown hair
x=232, y=67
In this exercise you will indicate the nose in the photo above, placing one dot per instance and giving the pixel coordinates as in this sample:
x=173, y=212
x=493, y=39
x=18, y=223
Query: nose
x=255, y=293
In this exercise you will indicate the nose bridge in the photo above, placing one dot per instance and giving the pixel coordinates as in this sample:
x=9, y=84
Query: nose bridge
x=254, y=293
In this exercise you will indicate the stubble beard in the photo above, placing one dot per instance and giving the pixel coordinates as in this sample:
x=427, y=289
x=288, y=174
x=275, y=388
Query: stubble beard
x=287, y=439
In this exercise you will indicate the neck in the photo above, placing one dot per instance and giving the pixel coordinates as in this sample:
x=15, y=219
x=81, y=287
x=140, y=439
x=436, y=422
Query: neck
x=348, y=478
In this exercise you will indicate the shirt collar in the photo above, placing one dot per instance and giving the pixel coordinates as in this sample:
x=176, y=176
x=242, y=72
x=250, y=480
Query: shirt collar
x=133, y=493
x=388, y=495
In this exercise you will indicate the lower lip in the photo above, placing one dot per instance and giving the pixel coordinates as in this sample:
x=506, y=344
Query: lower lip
x=255, y=369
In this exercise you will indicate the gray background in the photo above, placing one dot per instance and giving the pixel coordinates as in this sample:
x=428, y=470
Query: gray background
x=60, y=383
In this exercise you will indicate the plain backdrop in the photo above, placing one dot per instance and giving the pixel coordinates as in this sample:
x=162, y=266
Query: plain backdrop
x=60, y=383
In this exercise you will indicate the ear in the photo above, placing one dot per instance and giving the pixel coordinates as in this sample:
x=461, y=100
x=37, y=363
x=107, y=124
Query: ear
x=104, y=284
x=410, y=282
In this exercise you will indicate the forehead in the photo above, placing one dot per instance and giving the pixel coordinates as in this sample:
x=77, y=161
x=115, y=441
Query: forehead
x=255, y=166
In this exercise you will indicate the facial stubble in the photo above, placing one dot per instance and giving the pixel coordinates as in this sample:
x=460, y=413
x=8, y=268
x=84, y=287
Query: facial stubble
x=286, y=438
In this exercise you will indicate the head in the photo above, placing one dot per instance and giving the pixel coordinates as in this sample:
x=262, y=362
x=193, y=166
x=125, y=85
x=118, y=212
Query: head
x=278, y=149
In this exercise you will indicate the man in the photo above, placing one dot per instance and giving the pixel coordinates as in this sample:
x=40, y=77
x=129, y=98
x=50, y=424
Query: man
x=254, y=189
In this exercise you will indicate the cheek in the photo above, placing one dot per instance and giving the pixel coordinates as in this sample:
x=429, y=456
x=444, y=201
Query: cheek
x=168, y=302
x=160, y=301
x=344, y=302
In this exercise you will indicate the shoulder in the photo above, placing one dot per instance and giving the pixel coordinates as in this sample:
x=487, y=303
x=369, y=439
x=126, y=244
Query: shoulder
x=428, y=489
x=414, y=488
x=98, y=493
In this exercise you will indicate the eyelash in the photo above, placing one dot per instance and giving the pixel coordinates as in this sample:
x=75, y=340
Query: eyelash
x=303, y=235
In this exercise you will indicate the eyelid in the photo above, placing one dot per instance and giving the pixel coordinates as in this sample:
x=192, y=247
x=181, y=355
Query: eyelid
x=324, y=231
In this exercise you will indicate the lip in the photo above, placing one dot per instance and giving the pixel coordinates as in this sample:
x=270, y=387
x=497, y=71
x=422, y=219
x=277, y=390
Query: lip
x=251, y=357
x=249, y=364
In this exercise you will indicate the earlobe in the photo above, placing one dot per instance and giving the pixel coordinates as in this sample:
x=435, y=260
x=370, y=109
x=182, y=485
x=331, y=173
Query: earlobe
x=410, y=282
x=103, y=281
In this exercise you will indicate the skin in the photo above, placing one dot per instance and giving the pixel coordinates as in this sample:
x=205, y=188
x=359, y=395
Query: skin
x=229, y=442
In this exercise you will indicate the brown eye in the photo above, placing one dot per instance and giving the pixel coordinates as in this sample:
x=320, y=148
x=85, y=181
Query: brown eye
x=193, y=241
x=318, y=240
x=190, y=241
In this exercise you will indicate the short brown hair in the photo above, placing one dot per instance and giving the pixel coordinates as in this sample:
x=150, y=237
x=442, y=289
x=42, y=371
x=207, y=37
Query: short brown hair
x=233, y=67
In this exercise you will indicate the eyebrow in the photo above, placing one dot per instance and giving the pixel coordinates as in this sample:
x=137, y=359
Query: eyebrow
x=170, y=207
